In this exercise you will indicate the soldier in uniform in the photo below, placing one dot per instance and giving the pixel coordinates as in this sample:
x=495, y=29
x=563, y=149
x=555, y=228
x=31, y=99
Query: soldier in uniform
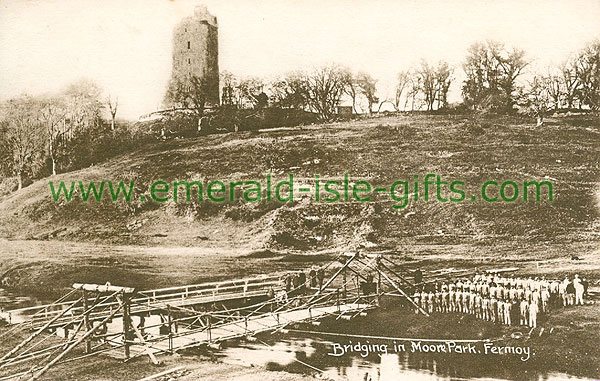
x=477, y=306
x=524, y=307
x=500, y=312
x=321, y=276
x=430, y=302
x=545, y=298
x=465, y=302
x=507, y=311
x=445, y=295
x=417, y=299
x=493, y=307
x=485, y=308
x=472, y=302
x=533, y=311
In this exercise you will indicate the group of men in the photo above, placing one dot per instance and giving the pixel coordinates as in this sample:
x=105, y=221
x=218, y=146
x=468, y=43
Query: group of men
x=311, y=278
x=502, y=300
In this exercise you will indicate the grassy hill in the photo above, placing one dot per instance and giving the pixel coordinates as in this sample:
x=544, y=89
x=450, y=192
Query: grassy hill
x=565, y=151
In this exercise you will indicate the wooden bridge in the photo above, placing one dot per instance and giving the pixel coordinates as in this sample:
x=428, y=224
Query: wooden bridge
x=121, y=321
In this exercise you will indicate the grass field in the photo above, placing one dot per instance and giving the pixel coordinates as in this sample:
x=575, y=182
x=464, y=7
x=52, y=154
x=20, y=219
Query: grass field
x=46, y=246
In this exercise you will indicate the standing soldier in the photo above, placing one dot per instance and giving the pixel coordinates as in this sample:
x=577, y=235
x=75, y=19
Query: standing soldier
x=417, y=300
x=445, y=296
x=500, y=311
x=533, y=311
x=320, y=277
x=524, y=306
x=493, y=307
x=312, y=275
x=302, y=279
x=562, y=290
x=465, y=301
x=579, y=289
x=472, y=302
x=478, y=306
x=520, y=293
x=527, y=294
x=451, y=298
x=536, y=297
x=545, y=297
x=438, y=300
x=295, y=282
x=430, y=302
x=570, y=293
x=554, y=287
x=512, y=293
x=507, y=312
x=485, y=308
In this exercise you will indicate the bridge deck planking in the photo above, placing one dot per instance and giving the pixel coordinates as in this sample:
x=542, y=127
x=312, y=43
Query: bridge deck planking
x=254, y=325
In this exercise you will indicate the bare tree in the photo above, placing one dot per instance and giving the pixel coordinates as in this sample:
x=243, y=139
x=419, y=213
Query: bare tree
x=569, y=81
x=22, y=138
x=290, y=91
x=555, y=89
x=52, y=116
x=367, y=86
x=191, y=92
x=112, y=108
x=250, y=90
x=324, y=88
x=83, y=106
x=539, y=98
x=427, y=80
x=402, y=83
x=492, y=72
x=229, y=83
x=443, y=79
x=351, y=87
x=587, y=68
x=413, y=91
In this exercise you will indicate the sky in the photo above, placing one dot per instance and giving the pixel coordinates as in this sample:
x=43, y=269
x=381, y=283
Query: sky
x=125, y=45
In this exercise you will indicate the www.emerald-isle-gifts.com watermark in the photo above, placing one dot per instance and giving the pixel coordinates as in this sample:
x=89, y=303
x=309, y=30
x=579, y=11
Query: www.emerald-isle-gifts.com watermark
x=430, y=187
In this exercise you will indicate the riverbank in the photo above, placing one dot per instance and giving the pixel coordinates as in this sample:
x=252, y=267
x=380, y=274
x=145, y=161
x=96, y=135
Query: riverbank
x=48, y=268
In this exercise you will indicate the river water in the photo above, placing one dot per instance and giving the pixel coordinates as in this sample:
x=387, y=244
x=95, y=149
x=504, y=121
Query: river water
x=301, y=354
x=311, y=354
x=10, y=300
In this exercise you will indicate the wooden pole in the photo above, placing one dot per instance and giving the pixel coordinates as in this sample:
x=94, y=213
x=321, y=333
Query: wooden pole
x=36, y=333
x=208, y=324
x=344, y=284
x=86, y=320
x=402, y=292
x=330, y=280
x=170, y=325
x=126, y=325
x=79, y=341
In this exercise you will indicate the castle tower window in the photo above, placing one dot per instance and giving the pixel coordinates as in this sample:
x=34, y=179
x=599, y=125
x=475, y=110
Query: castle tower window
x=188, y=44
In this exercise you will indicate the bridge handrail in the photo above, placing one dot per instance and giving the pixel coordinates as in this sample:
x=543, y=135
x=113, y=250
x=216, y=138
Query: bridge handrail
x=187, y=291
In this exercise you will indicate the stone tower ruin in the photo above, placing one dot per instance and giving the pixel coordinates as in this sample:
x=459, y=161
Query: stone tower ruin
x=196, y=51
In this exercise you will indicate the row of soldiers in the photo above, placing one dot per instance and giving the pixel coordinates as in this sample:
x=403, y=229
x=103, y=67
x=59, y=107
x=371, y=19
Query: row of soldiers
x=498, y=299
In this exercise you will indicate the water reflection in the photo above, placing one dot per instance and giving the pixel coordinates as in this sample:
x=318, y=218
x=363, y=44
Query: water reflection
x=10, y=300
x=301, y=355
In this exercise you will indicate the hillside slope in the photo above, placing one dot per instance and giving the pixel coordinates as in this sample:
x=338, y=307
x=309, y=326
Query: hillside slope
x=565, y=151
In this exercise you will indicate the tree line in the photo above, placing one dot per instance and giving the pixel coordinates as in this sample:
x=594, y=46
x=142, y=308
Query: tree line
x=492, y=83
x=54, y=133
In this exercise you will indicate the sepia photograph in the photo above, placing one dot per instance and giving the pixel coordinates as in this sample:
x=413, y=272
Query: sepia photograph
x=297, y=190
